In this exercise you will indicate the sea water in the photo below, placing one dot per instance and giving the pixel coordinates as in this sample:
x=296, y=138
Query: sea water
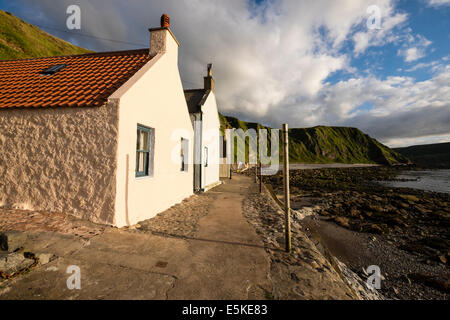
x=429, y=180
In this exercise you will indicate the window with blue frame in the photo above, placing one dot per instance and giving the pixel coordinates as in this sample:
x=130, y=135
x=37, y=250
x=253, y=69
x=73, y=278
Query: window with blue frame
x=144, y=151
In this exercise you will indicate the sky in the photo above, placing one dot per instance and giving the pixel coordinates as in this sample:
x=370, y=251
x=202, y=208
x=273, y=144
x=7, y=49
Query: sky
x=382, y=66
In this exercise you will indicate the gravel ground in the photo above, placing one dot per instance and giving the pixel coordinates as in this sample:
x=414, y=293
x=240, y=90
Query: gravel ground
x=181, y=220
x=41, y=221
x=360, y=250
x=403, y=231
x=306, y=272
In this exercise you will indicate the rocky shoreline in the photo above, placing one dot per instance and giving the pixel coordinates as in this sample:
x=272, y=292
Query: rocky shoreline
x=404, y=231
x=309, y=272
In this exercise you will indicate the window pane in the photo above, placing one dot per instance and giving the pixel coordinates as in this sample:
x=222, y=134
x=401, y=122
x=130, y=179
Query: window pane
x=142, y=140
x=137, y=161
x=145, y=140
x=146, y=162
x=141, y=166
x=138, y=138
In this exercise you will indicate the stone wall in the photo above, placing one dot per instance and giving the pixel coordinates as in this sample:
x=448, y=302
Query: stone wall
x=60, y=160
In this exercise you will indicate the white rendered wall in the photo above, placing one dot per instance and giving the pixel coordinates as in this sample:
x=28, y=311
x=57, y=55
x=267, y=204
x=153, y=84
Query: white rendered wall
x=59, y=160
x=210, y=139
x=156, y=100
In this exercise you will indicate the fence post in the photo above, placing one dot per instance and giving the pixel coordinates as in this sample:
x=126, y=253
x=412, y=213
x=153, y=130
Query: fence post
x=260, y=176
x=287, y=202
x=256, y=172
x=258, y=158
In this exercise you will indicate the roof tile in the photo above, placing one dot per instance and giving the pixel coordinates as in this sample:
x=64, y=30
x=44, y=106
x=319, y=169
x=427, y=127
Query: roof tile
x=87, y=80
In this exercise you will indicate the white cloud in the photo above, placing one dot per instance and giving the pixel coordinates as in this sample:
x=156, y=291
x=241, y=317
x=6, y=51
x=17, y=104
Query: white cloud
x=432, y=65
x=400, y=107
x=404, y=142
x=412, y=54
x=436, y=3
x=387, y=33
x=271, y=62
x=417, y=50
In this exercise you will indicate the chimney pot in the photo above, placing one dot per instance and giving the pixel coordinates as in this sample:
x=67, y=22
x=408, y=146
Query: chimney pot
x=159, y=36
x=210, y=70
x=165, y=21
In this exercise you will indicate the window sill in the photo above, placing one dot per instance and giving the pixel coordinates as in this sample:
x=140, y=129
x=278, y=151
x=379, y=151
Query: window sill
x=142, y=177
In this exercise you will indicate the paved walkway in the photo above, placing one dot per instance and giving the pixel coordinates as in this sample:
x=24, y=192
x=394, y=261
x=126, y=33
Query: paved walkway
x=225, y=260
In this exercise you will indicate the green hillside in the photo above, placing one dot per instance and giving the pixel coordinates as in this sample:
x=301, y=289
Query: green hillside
x=430, y=155
x=327, y=144
x=19, y=40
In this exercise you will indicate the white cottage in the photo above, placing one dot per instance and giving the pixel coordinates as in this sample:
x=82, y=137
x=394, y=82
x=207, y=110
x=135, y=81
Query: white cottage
x=103, y=136
x=205, y=121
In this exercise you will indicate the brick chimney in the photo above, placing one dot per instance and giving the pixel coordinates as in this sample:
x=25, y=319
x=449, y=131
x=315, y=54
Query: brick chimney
x=159, y=37
x=209, y=80
x=165, y=21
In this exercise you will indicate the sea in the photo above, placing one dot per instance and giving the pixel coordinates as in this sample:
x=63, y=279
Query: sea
x=429, y=180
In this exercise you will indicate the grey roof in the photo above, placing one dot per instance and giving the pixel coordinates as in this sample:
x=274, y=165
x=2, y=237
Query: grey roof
x=195, y=98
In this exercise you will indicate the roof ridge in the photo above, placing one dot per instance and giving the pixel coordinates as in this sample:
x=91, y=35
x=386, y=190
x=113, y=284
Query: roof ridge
x=104, y=53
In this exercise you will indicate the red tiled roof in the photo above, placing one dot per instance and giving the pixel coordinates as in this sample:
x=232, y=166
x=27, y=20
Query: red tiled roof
x=87, y=80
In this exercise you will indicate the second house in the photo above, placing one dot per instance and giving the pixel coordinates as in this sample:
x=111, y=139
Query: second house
x=205, y=121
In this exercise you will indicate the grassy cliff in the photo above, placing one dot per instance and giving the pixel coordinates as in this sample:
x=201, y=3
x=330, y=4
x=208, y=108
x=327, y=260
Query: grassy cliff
x=430, y=155
x=327, y=144
x=19, y=40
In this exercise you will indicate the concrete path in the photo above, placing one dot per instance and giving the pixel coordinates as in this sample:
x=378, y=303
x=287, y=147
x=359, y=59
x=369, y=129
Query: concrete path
x=225, y=260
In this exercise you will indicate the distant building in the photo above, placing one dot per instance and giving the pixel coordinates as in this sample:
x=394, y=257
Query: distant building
x=205, y=121
x=104, y=136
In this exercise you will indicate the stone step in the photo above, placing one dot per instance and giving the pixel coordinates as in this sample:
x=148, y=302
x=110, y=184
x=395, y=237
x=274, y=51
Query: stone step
x=13, y=262
x=11, y=241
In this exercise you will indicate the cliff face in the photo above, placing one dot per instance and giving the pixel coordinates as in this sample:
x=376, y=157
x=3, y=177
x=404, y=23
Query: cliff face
x=430, y=155
x=329, y=144
x=339, y=144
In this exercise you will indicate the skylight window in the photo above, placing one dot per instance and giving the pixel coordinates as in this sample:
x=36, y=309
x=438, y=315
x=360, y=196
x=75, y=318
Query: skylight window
x=53, y=69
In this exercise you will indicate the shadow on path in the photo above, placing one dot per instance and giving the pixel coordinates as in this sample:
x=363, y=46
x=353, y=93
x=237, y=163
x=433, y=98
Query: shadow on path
x=163, y=234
